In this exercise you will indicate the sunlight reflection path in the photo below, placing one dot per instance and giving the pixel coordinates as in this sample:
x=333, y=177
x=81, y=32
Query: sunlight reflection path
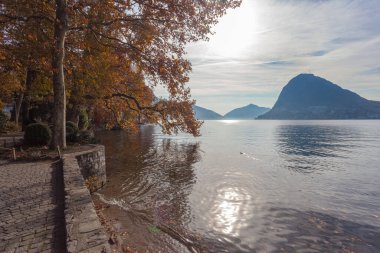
x=230, y=121
x=228, y=210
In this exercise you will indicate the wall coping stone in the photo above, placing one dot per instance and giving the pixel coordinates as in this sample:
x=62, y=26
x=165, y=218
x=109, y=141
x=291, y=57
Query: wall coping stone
x=84, y=232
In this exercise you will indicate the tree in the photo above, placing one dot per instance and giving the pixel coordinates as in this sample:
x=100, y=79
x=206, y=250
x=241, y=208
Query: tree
x=24, y=50
x=142, y=41
x=60, y=30
x=149, y=37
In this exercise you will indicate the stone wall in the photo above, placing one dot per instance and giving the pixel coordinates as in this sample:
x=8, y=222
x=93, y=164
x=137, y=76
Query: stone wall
x=10, y=142
x=84, y=233
x=92, y=165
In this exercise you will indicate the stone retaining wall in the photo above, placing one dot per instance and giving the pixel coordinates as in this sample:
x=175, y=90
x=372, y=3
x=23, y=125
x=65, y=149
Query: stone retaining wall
x=92, y=165
x=84, y=233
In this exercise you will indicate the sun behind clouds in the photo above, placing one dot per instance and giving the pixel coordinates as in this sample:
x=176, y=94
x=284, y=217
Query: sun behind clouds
x=236, y=31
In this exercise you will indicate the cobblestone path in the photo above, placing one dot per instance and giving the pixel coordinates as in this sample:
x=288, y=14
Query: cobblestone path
x=32, y=208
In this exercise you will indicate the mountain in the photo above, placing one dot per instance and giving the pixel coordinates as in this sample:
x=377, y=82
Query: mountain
x=205, y=114
x=311, y=97
x=247, y=112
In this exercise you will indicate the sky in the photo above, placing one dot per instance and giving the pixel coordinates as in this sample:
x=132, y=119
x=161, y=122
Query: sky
x=259, y=47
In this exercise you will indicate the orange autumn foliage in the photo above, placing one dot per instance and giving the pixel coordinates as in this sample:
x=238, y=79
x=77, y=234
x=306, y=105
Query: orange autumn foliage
x=21, y=47
x=118, y=52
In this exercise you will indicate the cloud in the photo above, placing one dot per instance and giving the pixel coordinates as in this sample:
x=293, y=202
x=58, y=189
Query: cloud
x=372, y=71
x=319, y=53
x=259, y=47
x=278, y=63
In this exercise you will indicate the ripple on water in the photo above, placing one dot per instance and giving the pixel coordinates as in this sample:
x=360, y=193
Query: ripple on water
x=251, y=186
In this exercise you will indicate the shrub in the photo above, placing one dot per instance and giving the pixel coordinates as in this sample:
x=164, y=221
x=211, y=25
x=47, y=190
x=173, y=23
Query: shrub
x=3, y=121
x=11, y=126
x=71, y=131
x=87, y=137
x=37, y=134
x=71, y=124
x=84, y=122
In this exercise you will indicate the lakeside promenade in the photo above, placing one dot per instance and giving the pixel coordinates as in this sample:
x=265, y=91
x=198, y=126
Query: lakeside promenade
x=32, y=207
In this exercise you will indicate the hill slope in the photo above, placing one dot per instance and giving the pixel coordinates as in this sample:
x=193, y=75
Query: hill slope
x=250, y=111
x=310, y=97
x=205, y=114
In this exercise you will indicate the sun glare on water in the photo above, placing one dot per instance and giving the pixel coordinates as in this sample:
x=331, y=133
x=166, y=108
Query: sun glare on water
x=229, y=209
x=229, y=121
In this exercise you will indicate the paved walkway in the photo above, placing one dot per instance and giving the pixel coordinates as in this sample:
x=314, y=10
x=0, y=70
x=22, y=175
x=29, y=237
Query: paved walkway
x=32, y=208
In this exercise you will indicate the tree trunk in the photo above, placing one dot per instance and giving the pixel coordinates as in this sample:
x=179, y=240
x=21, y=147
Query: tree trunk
x=60, y=29
x=74, y=105
x=17, y=107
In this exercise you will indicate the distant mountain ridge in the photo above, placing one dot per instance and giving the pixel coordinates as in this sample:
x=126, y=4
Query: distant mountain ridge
x=206, y=114
x=250, y=111
x=307, y=96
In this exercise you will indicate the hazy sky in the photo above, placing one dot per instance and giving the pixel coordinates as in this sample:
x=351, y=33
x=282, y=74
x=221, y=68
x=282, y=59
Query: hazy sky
x=260, y=46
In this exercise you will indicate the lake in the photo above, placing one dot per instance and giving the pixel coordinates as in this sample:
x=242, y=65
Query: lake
x=247, y=186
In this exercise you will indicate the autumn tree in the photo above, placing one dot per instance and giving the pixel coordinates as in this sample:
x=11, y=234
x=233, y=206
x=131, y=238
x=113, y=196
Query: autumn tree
x=9, y=75
x=25, y=51
x=142, y=46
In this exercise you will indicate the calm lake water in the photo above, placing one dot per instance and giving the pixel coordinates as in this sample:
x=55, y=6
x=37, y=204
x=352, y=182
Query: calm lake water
x=247, y=186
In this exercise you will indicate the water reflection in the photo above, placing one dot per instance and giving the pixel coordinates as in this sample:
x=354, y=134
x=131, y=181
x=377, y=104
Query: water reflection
x=230, y=121
x=169, y=170
x=228, y=210
x=310, y=148
x=173, y=194
x=310, y=140
x=291, y=230
x=149, y=182
x=288, y=230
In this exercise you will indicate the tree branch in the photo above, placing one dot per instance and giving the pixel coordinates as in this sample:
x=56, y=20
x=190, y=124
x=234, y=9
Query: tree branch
x=24, y=18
